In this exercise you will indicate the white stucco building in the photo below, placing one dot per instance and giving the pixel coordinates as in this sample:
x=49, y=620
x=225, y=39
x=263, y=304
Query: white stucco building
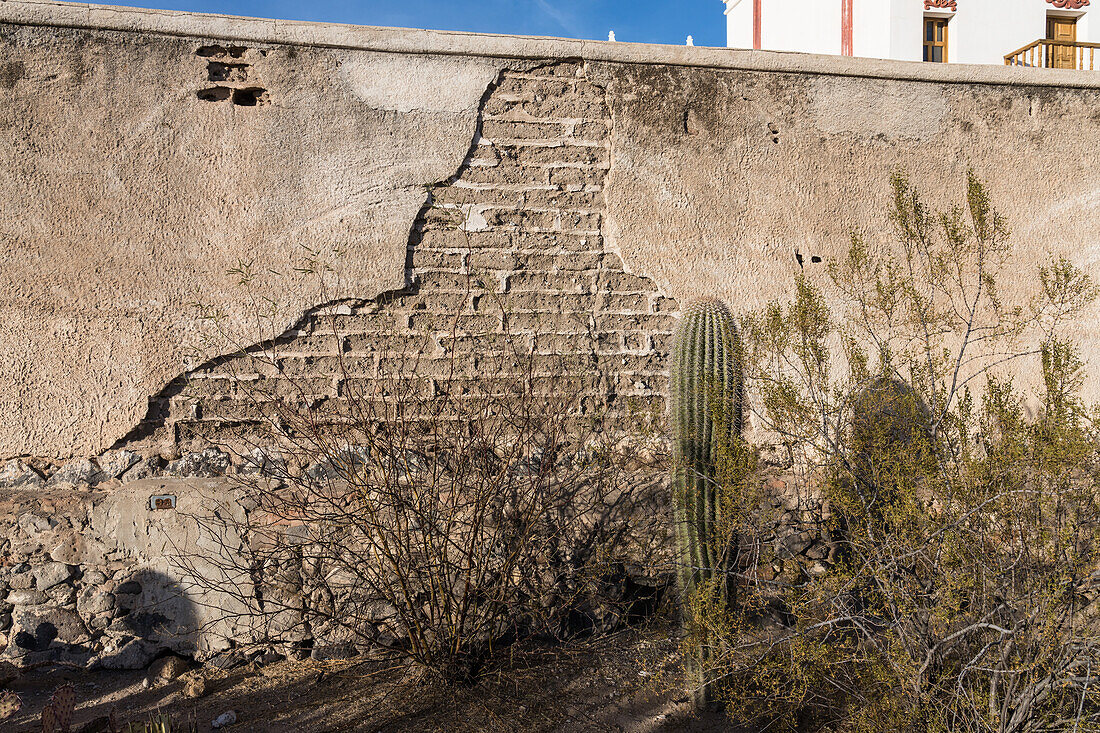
x=1055, y=33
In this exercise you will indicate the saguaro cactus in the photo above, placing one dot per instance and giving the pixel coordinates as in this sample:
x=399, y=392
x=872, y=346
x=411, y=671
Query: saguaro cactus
x=707, y=406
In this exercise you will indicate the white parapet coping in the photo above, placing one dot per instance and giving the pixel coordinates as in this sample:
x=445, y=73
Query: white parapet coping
x=415, y=41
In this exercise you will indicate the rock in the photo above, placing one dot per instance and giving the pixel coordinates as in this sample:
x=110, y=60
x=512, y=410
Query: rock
x=48, y=575
x=229, y=717
x=94, y=602
x=264, y=462
x=70, y=550
x=142, y=470
x=819, y=551
x=168, y=668
x=209, y=463
x=8, y=673
x=340, y=464
x=94, y=578
x=62, y=595
x=76, y=471
x=195, y=686
x=230, y=659
x=37, y=628
x=27, y=597
x=135, y=654
x=129, y=588
x=328, y=652
x=113, y=464
x=34, y=525
x=21, y=582
x=18, y=475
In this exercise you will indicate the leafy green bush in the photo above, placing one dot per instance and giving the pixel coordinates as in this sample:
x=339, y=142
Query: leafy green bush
x=963, y=512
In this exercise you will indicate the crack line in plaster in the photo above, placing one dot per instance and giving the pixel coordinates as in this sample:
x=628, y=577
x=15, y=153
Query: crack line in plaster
x=154, y=418
x=610, y=241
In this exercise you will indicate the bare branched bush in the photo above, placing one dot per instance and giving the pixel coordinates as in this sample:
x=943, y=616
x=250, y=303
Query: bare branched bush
x=468, y=493
x=964, y=518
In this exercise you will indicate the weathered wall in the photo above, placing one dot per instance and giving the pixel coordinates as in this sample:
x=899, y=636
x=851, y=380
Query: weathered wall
x=588, y=187
x=136, y=173
x=131, y=187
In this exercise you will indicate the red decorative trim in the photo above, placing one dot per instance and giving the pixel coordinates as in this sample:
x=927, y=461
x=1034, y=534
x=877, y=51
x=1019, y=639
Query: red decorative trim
x=756, y=24
x=1069, y=4
x=846, y=27
x=951, y=4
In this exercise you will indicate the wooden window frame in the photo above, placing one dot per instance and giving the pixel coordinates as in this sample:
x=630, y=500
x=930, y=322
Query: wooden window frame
x=935, y=22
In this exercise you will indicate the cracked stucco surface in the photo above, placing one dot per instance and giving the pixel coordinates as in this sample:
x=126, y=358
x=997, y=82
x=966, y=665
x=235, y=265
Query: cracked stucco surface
x=720, y=178
x=127, y=199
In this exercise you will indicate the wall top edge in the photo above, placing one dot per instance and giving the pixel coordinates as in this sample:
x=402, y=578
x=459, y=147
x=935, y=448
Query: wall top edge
x=415, y=41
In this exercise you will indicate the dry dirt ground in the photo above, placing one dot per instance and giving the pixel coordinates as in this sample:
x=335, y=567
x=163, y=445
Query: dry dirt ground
x=628, y=681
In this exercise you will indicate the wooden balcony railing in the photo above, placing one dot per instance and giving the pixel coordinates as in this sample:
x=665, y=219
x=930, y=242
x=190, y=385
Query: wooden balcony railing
x=1048, y=54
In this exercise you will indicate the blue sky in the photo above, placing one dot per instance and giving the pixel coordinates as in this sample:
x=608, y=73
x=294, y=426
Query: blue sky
x=648, y=21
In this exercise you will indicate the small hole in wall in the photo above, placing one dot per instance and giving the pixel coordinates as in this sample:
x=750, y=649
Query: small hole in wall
x=218, y=71
x=214, y=94
x=815, y=259
x=691, y=123
x=249, y=97
x=231, y=51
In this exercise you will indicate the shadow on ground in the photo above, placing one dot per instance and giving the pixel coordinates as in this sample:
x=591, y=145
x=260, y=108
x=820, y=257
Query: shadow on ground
x=628, y=681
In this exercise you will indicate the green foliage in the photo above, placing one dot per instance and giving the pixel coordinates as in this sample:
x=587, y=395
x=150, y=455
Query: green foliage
x=57, y=716
x=706, y=419
x=10, y=703
x=160, y=723
x=965, y=511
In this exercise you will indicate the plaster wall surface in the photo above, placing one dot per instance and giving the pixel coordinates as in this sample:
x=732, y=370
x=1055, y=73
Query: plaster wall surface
x=149, y=154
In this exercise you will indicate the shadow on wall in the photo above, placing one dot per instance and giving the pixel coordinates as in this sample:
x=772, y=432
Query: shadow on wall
x=154, y=615
x=145, y=615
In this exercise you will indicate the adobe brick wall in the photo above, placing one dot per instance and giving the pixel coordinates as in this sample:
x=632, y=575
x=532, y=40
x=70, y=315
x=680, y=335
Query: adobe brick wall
x=511, y=246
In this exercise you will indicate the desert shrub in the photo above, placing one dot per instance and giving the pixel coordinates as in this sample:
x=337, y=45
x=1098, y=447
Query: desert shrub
x=437, y=511
x=963, y=512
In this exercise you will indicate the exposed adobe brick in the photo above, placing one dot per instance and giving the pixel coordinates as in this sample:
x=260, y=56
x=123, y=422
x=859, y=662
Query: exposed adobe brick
x=498, y=129
x=509, y=175
x=558, y=155
x=509, y=271
x=600, y=131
